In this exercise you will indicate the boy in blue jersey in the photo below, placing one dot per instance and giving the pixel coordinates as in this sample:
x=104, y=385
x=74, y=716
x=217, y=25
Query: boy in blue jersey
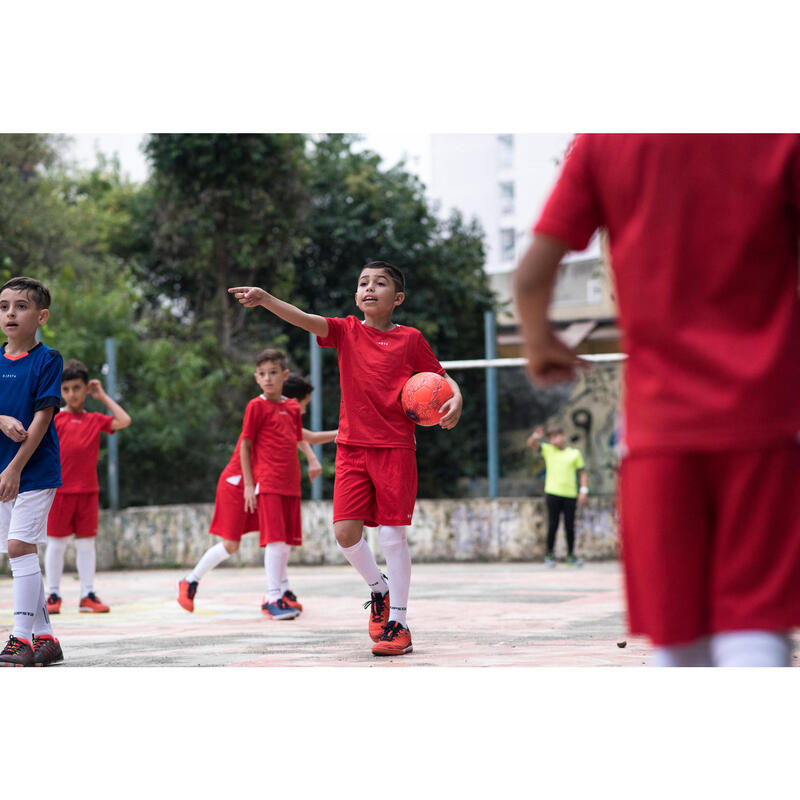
x=30, y=467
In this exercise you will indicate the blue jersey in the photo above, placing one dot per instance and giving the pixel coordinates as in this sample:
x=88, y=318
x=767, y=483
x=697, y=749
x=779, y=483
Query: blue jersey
x=28, y=384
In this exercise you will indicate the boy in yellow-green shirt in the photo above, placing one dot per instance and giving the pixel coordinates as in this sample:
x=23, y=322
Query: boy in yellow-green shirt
x=564, y=465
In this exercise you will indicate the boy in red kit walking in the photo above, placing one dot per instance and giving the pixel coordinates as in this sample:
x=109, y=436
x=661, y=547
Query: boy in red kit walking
x=376, y=468
x=259, y=490
x=75, y=507
x=703, y=234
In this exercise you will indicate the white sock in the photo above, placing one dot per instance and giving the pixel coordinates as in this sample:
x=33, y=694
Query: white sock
x=27, y=579
x=215, y=554
x=398, y=564
x=693, y=654
x=360, y=556
x=85, y=561
x=285, y=574
x=54, y=561
x=41, y=621
x=751, y=649
x=276, y=556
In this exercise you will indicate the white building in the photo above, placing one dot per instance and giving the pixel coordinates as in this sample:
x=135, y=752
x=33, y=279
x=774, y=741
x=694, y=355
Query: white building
x=503, y=180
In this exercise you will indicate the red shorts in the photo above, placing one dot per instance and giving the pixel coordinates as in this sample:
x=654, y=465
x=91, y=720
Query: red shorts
x=73, y=513
x=711, y=542
x=230, y=520
x=279, y=519
x=376, y=484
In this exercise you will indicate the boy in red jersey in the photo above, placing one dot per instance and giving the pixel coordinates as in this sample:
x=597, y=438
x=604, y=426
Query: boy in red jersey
x=235, y=510
x=376, y=468
x=75, y=507
x=703, y=234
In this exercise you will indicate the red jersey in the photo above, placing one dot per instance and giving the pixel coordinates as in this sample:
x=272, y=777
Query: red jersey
x=373, y=368
x=703, y=235
x=79, y=442
x=274, y=428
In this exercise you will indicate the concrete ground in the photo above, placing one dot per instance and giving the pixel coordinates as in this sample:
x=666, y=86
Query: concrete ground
x=461, y=614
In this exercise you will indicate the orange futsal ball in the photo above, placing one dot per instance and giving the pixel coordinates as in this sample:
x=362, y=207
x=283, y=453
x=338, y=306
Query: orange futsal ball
x=423, y=395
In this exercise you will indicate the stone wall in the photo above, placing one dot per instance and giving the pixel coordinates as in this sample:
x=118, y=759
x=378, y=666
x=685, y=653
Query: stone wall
x=505, y=529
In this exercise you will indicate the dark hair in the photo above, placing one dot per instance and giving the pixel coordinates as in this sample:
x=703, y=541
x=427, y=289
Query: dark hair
x=297, y=387
x=37, y=291
x=554, y=430
x=75, y=370
x=393, y=272
x=271, y=354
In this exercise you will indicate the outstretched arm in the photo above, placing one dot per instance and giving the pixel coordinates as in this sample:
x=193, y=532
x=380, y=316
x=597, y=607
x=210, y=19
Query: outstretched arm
x=252, y=296
x=549, y=359
x=535, y=439
x=319, y=437
x=314, y=467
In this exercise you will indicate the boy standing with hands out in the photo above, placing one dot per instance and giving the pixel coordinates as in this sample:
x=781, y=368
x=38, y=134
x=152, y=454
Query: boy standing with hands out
x=76, y=503
x=376, y=468
x=30, y=470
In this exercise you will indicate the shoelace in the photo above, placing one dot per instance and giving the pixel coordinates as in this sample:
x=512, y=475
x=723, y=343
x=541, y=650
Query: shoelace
x=378, y=602
x=13, y=647
x=391, y=631
x=53, y=598
x=289, y=594
x=93, y=597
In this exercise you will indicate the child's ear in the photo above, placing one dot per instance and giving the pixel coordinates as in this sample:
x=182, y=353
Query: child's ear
x=399, y=297
x=44, y=315
x=285, y=374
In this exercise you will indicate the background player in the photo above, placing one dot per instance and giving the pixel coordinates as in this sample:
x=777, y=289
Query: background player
x=75, y=507
x=30, y=470
x=703, y=235
x=233, y=516
x=565, y=468
x=376, y=468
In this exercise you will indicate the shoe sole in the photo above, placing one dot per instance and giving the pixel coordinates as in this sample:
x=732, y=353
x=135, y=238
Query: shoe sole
x=9, y=664
x=50, y=663
x=52, y=611
x=94, y=610
x=408, y=649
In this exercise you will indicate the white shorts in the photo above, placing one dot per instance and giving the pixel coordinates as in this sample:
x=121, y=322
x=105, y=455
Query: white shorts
x=25, y=518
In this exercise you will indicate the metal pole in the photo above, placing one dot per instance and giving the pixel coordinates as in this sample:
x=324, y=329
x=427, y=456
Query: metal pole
x=113, y=453
x=492, y=428
x=316, y=407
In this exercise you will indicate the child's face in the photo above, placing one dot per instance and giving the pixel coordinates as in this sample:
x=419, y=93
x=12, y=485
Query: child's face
x=19, y=315
x=74, y=392
x=304, y=403
x=270, y=376
x=559, y=440
x=376, y=293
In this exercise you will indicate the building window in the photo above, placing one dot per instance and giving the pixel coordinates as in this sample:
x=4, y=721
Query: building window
x=507, y=197
x=507, y=242
x=505, y=150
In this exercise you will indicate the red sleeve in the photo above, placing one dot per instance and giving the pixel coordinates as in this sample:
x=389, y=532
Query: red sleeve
x=252, y=419
x=103, y=422
x=424, y=359
x=337, y=328
x=572, y=211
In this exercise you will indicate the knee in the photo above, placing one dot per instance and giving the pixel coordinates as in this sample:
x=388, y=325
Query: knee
x=348, y=535
x=16, y=548
x=392, y=535
x=230, y=546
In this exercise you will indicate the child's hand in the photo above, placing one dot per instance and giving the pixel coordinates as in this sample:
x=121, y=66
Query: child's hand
x=13, y=428
x=9, y=484
x=452, y=412
x=250, y=499
x=550, y=361
x=96, y=389
x=582, y=498
x=534, y=440
x=249, y=296
x=314, y=470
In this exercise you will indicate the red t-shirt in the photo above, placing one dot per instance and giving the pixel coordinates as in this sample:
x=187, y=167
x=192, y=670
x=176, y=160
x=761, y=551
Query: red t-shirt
x=79, y=443
x=703, y=235
x=274, y=428
x=373, y=368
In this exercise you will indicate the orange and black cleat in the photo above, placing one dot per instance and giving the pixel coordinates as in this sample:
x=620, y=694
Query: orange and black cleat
x=17, y=653
x=186, y=593
x=395, y=640
x=291, y=600
x=378, y=606
x=92, y=604
x=53, y=603
x=46, y=651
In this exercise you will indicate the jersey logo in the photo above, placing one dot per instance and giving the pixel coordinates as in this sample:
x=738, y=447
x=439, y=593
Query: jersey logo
x=385, y=344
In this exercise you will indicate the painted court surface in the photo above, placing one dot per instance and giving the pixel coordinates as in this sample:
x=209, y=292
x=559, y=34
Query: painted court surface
x=461, y=615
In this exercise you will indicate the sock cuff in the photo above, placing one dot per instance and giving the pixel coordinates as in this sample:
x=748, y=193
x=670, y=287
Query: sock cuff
x=353, y=548
x=84, y=543
x=392, y=535
x=24, y=565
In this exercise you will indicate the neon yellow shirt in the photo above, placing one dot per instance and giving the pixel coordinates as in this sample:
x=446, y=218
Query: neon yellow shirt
x=562, y=466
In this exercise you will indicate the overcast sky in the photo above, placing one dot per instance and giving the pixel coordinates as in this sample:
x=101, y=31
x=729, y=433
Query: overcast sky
x=414, y=147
